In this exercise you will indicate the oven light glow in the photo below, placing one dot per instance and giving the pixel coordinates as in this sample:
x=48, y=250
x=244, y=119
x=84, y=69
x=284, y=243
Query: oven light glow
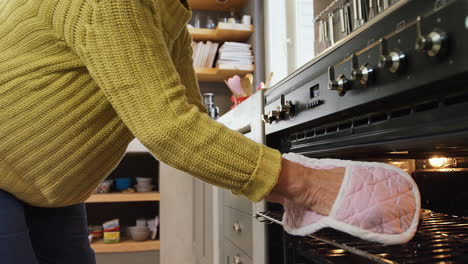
x=437, y=162
x=337, y=251
x=398, y=152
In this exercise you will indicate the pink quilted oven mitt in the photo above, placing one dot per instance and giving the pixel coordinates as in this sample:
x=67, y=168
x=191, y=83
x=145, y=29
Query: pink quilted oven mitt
x=376, y=202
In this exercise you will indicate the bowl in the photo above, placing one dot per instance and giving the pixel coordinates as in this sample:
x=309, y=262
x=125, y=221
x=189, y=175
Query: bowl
x=144, y=188
x=144, y=181
x=123, y=183
x=138, y=228
x=104, y=187
x=139, y=233
x=142, y=222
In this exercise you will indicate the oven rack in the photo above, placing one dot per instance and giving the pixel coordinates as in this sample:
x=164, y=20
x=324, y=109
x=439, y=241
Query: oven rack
x=440, y=238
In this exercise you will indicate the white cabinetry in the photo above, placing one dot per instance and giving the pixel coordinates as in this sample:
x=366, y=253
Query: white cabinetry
x=241, y=237
x=136, y=147
x=204, y=224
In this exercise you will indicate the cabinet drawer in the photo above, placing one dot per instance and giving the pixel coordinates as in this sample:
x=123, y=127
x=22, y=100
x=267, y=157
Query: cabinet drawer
x=237, y=202
x=238, y=229
x=233, y=255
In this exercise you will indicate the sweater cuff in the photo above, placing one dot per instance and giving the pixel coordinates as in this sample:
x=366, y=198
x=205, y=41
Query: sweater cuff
x=265, y=175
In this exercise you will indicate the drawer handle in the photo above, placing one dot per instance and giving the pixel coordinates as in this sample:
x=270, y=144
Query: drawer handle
x=237, y=227
x=237, y=260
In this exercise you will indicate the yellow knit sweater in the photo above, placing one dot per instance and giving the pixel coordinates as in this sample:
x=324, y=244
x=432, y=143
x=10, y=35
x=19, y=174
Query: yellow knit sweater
x=79, y=79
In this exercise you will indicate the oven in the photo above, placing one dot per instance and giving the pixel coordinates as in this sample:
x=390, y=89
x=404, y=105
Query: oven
x=395, y=90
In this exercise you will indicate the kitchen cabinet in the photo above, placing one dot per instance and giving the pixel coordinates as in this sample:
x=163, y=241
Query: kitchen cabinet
x=202, y=222
x=240, y=231
x=145, y=257
x=177, y=216
x=232, y=255
x=223, y=220
x=127, y=207
x=224, y=225
x=136, y=147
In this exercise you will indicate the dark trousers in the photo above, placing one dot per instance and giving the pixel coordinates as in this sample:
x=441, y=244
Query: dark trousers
x=35, y=235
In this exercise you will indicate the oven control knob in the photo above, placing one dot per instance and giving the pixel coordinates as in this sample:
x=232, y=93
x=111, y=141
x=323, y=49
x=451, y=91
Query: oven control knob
x=364, y=74
x=433, y=44
x=286, y=110
x=271, y=116
x=393, y=61
x=340, y=84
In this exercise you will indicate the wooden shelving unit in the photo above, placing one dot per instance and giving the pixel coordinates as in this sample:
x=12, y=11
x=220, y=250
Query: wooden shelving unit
x=123, y=197
x=125, y=246
x=223, y=32
x=219, y=75
x=214, y=5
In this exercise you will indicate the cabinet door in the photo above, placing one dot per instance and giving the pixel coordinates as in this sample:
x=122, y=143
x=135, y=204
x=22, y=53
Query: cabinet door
x=202, y=222
x=176, y=213
x=208, y=206
x=237, y=228
x=237, y=202
x=232, y=255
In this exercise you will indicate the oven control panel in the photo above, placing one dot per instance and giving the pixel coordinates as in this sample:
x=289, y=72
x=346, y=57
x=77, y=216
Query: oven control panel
x=284, y=111
x=416, y=51
x=390, y=61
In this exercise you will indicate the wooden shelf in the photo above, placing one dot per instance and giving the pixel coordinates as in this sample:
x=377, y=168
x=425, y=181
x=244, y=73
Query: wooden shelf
x=223, y=32
x=214, y=5
x=123, y=197
x=125, y=246
x=219, y=75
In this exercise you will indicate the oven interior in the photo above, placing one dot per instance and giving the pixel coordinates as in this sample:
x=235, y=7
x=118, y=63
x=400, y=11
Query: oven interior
x=428, y=138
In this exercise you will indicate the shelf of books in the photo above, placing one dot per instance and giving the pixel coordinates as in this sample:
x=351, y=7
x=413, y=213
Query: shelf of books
x=223, y=32
x=223, y=72
x=217, y=5
x=232, y=58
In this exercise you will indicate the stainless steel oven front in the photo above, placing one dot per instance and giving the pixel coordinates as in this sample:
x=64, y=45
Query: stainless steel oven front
x=395, y=91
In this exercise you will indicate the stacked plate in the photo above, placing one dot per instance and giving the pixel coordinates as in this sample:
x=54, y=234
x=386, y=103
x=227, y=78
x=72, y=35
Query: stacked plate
x=144, y=184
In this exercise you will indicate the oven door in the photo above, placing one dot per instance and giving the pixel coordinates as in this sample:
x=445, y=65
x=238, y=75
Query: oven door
x=408, y=136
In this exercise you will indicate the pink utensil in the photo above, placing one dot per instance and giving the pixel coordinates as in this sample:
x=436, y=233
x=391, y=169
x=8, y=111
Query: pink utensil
x=260, y=86
x=235, y=85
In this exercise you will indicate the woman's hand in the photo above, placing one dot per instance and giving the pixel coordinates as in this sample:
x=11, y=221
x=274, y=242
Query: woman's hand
x=301, y=186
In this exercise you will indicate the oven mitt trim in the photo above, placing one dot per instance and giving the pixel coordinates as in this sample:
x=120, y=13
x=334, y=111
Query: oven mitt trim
x=330, y=221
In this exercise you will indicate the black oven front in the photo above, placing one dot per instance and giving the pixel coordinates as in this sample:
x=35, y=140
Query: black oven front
x=415, y=118
x=431, y=145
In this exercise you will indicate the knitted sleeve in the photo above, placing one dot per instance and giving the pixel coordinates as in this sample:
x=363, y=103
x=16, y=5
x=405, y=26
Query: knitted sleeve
x=124, y=49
